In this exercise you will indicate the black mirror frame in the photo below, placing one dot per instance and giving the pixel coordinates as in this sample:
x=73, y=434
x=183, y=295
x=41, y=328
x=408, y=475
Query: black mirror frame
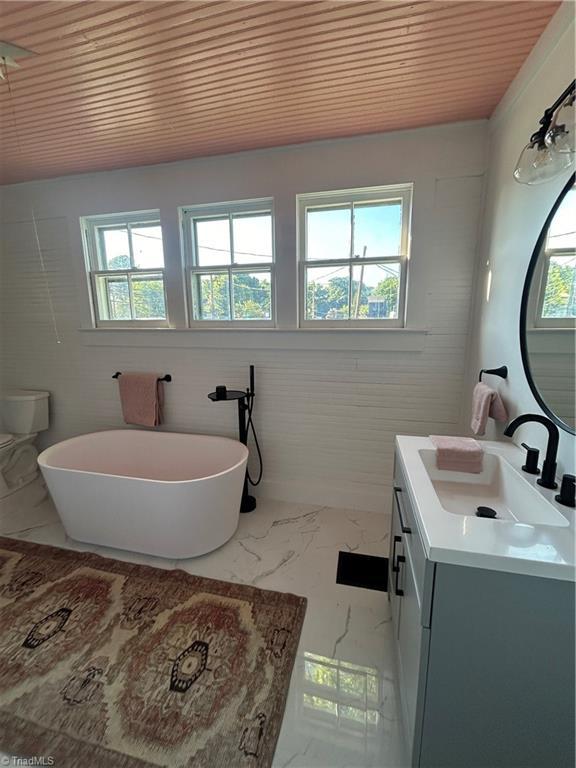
x=524, y=308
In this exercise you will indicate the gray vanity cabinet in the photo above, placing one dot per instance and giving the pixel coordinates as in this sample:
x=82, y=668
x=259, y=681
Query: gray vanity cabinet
x=485, y=658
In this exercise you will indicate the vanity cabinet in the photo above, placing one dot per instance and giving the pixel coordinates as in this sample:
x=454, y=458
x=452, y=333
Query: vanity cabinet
x=485, y=658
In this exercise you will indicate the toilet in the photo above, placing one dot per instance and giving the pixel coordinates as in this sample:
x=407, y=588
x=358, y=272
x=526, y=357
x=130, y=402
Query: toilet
x=24, y=413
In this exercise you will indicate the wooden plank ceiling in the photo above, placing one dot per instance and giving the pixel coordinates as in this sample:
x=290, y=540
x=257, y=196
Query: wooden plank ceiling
x=117, y=84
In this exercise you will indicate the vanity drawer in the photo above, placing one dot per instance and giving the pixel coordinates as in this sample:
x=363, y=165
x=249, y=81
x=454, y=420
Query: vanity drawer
x=412, y=542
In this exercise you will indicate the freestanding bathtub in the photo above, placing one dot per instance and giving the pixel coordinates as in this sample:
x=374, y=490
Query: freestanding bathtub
x=162, y=493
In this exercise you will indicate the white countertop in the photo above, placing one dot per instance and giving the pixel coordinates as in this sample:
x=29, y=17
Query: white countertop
x=501, y=545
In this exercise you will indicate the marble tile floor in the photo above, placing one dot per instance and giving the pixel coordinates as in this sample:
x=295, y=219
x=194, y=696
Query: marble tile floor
x=342, y=705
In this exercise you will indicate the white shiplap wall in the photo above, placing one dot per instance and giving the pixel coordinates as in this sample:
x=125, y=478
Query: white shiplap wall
x=514, y=216
x=327, y=417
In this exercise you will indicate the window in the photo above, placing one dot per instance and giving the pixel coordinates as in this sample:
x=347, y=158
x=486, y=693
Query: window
x=353, y=250
x=126, y=266
x=557, y=300
x=230, y=259
x=353, y=254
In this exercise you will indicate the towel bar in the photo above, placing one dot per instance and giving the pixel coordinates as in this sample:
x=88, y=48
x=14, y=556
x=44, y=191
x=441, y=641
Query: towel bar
x=502, y=372
x=167, y=377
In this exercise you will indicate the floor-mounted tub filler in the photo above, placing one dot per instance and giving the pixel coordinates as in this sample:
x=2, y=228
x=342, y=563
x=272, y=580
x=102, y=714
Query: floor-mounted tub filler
x=162, y=493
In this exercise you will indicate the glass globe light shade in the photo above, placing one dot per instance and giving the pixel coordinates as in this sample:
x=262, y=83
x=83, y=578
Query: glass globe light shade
x=538, y=164
x=524, y=168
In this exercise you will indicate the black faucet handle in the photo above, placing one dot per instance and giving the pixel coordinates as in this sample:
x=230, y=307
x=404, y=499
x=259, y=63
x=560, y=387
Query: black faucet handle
x=567, y=495
x=531, y=466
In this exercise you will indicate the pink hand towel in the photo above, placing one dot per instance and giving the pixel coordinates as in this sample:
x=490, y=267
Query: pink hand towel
x=486, y=402
x=458, y=454
x=142, y=397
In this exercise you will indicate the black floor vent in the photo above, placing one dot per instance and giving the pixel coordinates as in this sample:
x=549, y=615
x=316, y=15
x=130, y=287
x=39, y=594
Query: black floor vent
x=366, y=571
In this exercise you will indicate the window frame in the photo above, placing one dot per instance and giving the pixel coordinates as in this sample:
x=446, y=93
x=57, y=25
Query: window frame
x=350, y=197
x=541, y=322
x=536, y=298
x=188, y=215
x=91, y=227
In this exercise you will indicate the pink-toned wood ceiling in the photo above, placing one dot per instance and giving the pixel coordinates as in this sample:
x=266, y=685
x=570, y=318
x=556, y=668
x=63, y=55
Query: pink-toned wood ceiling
x=117, y=84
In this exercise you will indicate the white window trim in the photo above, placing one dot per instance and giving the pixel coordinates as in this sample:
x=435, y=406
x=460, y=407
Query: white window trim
x=543, y=323
x=357, y=195
x=187, y=214
x=89, y=226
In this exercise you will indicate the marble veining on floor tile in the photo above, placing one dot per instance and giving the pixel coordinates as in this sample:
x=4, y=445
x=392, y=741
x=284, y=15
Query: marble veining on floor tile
x=342, y=704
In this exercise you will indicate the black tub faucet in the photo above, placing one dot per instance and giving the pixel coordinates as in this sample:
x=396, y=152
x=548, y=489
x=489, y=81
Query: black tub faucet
x=548, y=479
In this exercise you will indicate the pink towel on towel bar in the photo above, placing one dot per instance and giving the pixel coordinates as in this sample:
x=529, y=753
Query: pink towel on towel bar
x=458, y=454
x=142, y=397
x=486, y=402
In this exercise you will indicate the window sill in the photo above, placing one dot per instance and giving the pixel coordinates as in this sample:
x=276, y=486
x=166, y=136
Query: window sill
x=360, y=339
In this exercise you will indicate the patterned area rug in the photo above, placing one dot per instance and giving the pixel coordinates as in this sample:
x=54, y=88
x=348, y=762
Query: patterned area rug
x=105, y=663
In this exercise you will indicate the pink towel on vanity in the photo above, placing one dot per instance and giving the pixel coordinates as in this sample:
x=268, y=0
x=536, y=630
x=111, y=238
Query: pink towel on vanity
x=458, y=454
x=486, y=402
x=142, y=397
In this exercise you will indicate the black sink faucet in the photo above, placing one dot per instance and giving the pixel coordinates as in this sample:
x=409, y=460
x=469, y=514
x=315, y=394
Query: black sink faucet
x=548, y=479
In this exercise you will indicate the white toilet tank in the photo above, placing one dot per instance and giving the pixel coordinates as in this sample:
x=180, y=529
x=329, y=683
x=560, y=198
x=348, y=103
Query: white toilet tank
x=24, y=411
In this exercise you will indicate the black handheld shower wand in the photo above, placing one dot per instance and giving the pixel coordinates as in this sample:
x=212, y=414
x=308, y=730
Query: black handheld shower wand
x=245, y=405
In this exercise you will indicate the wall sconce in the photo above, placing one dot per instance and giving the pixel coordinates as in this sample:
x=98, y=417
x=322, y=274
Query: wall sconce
x=550, y=150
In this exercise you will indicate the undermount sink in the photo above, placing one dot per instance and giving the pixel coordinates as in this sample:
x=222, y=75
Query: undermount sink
x=499, y=486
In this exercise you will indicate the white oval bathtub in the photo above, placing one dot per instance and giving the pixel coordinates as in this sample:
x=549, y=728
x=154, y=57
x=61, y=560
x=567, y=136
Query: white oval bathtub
x=162, y=493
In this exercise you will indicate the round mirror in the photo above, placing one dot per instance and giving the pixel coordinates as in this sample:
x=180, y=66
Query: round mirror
x=548, y=316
